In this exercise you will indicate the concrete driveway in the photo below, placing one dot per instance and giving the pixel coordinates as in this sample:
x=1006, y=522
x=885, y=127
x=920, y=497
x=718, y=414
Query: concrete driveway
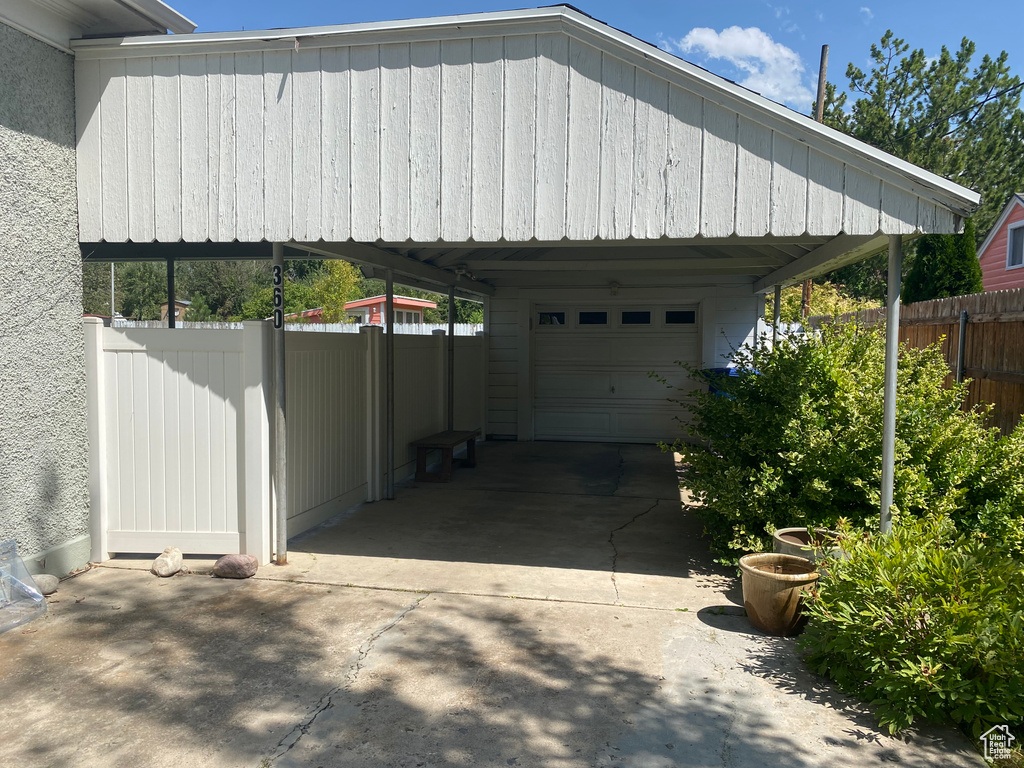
x=553, y=607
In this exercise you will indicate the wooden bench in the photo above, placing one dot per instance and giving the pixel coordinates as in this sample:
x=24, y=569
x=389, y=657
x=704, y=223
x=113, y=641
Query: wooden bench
x=446, y=442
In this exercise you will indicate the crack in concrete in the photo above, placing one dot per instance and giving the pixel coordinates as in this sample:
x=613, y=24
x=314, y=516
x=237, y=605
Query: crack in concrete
x=326, y=701
x=615, y=549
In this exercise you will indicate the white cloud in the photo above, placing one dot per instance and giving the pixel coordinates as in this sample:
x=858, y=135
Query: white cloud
x=767, y=67
x=819, y=15
x=866, y=13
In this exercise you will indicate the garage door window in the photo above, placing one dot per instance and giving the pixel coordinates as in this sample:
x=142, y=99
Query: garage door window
x=680, y=317
x=593, y=318
x=551, y=318
x=633, y=317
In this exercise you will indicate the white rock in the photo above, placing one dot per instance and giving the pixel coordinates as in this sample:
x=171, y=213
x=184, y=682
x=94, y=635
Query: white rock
x=168, y=562
x=47, y=584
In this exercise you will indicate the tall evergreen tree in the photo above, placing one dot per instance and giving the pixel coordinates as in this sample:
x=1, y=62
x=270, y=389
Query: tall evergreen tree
x=964, y=124
x=946, y=265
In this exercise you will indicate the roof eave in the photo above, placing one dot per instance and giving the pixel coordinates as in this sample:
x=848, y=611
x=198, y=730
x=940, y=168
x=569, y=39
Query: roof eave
x=162, y=15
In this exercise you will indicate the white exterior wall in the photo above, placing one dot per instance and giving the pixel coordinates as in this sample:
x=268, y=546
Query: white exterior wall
x=503, y=364
x=734, y=324
x=727, y=318
x=514, y=136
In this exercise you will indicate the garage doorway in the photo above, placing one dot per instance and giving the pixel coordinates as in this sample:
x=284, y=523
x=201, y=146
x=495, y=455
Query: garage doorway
x=592, y=366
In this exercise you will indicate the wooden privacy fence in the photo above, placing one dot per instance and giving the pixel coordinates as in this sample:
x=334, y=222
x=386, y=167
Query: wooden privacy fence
x=181, y=440
x=993, y=351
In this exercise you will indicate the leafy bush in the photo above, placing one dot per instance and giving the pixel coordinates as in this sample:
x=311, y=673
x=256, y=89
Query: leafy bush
x=826, y=299
x=799, y=443
x=926, y=623
x=995, y=501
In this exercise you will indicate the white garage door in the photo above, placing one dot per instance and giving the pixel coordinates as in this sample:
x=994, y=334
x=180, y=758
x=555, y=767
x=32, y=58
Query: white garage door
x=592, y=366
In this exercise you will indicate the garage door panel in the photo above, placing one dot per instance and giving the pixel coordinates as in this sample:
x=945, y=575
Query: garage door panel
x=559, y=423
x=573, y=385
x=654, y=351
x=572, y=349
x=639, y=386
x=675, y=378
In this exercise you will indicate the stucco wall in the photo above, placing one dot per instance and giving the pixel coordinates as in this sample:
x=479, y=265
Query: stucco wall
x=43, y=442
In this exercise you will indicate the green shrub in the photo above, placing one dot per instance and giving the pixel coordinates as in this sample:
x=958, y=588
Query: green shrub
x=799, y=443
x=926, y=624
x=995, y=499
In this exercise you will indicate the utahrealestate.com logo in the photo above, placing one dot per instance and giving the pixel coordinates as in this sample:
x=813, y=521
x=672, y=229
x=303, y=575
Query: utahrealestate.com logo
x=998, y=741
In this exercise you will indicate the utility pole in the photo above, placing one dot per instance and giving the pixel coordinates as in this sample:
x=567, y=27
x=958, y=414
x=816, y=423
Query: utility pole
x=819, y=115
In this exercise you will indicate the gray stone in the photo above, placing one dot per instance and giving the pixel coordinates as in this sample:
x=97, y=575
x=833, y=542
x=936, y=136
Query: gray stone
x=46, y=582
x=168, y=562
x=236, y=566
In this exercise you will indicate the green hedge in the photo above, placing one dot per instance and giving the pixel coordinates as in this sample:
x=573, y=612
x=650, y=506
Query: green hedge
x=796, y=440
x=926, y=624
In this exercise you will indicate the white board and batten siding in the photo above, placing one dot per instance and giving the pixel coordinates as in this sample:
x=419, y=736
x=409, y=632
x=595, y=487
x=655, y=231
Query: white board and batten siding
x=516, y=137
x=503, y=365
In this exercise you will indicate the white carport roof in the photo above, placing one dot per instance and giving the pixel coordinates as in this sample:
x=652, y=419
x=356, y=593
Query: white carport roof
x=536, y=147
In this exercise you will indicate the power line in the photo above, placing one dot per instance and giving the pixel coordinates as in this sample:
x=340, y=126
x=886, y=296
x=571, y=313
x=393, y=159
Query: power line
x=983, y=102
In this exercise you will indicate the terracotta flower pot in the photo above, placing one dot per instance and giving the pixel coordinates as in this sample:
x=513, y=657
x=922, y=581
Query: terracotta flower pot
x=798, y=542
x=772, y=587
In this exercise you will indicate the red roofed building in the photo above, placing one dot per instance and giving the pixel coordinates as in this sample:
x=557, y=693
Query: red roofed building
x=371, y=311
x=306, y=316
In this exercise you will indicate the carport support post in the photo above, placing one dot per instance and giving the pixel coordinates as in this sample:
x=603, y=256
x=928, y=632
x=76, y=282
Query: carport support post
x=171, y=308
x=776, y=314
x=451, y=358
x=389, y=354
x=280, y=429
x=892, y=342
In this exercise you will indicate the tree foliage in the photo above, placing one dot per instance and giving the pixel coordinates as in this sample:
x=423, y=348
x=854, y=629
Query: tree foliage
x=143, y=289
x=336, y=284
x=946, y=265
x=218, y=289
x=826, y=299
x=96, y=288
x=961, y=122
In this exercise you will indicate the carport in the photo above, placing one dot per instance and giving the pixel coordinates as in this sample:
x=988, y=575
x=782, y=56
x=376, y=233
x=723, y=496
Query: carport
x=619, y=208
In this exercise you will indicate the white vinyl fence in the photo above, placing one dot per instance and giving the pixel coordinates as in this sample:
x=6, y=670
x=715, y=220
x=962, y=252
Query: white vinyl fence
x=181, y=444
x=405, y=329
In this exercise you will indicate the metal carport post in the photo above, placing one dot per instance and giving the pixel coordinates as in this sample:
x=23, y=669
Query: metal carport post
x=892, y=343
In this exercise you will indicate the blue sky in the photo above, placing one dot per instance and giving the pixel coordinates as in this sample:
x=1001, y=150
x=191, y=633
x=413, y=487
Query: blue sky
x=771, y=47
